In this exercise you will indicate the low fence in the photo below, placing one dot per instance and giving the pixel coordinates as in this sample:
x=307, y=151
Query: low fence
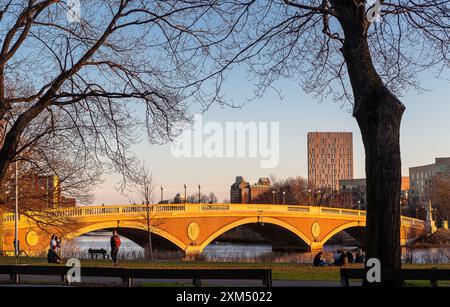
x=397, y=275
x=128, y=275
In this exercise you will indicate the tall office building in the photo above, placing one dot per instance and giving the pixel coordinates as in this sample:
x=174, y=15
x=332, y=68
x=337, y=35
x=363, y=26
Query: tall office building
x=330, y=158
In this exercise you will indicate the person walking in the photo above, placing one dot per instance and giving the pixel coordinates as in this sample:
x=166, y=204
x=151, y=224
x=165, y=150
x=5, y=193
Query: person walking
x=115, y=245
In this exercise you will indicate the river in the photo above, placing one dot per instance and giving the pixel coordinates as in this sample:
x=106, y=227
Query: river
x=234, y=252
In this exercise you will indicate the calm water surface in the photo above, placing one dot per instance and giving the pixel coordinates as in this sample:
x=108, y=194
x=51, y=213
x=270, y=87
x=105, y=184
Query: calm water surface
x=229, y=251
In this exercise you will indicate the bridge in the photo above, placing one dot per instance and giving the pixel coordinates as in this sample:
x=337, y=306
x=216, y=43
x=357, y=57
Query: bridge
x=191, y=227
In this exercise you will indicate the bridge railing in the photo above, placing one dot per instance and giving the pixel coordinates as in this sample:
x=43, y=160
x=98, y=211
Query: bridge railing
x=171, y=208
x=198, y=208
x=412, y=221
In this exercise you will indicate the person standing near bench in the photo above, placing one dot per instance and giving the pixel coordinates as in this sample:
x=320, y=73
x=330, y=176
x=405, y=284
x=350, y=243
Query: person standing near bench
x=115, y=245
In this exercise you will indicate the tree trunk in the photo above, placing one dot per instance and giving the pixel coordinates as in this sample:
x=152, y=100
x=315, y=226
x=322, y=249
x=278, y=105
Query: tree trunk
x=378, y=113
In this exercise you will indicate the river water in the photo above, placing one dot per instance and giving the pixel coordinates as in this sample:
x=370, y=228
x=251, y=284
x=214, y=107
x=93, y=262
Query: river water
x=234, y=252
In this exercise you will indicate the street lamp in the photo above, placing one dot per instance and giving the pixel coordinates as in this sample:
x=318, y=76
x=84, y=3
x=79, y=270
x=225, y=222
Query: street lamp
x=359, y=205
x=319, y=198
x=273, y=194
x=284, y=197
x=309, y=197
x=199, y=194
x=185, y=196
x=16, y=216
x=161, y=194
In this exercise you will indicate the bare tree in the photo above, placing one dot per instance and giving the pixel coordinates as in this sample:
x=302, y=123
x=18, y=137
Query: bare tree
x=295, y=192
x=212, y=198
x=336, y=49
x=51, y=174
x=100, y=80
x=439, y=194
x=144, y=185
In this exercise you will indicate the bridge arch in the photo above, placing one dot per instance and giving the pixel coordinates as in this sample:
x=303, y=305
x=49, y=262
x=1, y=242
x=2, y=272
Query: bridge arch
x=342, y=228
x=130, y=225
x=253, y=220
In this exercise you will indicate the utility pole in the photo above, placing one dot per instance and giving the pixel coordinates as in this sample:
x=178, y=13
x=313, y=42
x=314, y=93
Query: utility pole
x=16, y=216
x=149, y=233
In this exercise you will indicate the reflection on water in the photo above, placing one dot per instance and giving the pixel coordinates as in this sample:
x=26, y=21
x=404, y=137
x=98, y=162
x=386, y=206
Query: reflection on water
x=238, y=252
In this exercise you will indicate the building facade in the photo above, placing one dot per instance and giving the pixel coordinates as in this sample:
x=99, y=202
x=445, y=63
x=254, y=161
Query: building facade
x=243, y=192
x=38, y=192
x=421, y=176
x=352, y=193
x=330, y=158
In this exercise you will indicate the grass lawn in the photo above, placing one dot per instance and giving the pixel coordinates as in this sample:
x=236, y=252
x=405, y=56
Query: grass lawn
x=280, y=271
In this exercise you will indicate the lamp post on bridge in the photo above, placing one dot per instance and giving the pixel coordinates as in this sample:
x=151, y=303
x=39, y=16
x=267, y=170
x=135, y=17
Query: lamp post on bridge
x=185, y=196
x=161, y=194
x=273, y=196
x=199, y=194
x=284, y=197
x=319, y=198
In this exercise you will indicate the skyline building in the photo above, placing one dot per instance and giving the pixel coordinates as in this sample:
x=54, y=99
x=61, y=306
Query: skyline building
x=330, y=158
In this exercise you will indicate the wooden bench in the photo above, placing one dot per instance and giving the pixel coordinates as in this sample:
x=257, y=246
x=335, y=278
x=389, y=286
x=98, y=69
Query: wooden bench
x=127, y=275
x=94, y=252
x=433, y=275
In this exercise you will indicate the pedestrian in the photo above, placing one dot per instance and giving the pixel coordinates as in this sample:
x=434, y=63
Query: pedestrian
x=115, y=245
x=349, y=257
x=53, y=242
x=359, y=256
x=52, y=256
x=337, y=258
x=342, y=258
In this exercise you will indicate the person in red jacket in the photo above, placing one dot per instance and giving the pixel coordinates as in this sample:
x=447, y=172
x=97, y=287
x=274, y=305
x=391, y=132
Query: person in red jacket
x=115, y=245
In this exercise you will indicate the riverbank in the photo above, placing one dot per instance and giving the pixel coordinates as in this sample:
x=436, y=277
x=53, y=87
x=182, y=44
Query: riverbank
x=441, y=238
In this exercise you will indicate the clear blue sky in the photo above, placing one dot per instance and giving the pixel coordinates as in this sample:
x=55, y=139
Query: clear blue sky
x=425, y=134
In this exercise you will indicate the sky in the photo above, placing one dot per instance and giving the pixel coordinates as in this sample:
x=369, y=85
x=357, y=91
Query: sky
x=425, y=134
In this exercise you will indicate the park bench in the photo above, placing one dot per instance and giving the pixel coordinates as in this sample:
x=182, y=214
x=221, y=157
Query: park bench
x=433, y=275
x=128, y=275
x=94, y=252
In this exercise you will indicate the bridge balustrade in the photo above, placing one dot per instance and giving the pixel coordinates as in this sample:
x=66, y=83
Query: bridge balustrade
x=215, y=207
x=136, y=209
x=169, y=208
x=412, y=221
x=298, y=209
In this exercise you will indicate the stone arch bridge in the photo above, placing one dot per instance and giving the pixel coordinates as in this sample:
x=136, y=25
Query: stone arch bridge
x=191, y=227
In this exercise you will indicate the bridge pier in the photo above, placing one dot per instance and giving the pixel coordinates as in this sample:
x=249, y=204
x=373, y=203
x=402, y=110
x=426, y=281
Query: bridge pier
x=191, y=252
x=315, y=247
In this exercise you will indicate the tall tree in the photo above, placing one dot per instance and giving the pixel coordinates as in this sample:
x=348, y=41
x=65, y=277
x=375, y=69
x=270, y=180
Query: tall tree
x=363, y=52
